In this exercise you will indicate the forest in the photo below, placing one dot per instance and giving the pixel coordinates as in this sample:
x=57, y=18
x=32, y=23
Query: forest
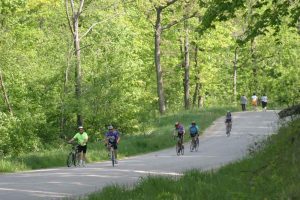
x=65, y=63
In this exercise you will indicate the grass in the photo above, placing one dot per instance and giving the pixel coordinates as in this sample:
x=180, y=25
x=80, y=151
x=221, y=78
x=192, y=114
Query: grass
x=271, y=173
x=157, y=136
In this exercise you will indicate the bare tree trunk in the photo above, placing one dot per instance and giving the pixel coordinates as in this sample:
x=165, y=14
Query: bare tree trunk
x=197, y=78
x=254, y=66
x=157, y=36
x=4, y=93
x=186, y=68
x=74, y=28
x=78, y=70
x=235, y=75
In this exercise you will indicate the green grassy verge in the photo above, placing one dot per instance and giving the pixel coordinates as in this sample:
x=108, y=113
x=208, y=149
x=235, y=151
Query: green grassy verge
x=158, y=136
x=271, y=173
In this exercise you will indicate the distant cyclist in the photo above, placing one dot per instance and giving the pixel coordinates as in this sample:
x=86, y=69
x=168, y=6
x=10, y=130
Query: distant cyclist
x=82, y=139
x=194, y=130
x=179, y=130
x=112, y=138
x=228, y=122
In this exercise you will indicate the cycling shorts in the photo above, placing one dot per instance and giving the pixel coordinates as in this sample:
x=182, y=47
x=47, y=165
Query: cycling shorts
x=228, y=121
x=82, y=148
x=113, y=144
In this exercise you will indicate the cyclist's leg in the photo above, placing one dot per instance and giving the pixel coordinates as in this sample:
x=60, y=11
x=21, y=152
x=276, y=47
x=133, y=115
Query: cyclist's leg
x=83, y=155
x=181, y=141
x=227, y=127
x=116, y=152
x=80, y=155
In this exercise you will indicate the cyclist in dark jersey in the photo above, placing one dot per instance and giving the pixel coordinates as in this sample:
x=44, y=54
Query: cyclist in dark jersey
x=112, y=138
x=179, y=130
x=228, y=122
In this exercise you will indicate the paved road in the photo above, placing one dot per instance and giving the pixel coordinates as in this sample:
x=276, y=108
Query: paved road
x=216, y=149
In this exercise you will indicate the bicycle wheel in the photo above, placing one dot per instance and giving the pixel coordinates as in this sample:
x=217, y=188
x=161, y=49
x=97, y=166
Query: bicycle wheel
x=112, y=153
x=70, y=159
x=182, y=150
x=197, y=144
x=177, y=150
x=192, y=146
x=227, y=130
x=75, y=159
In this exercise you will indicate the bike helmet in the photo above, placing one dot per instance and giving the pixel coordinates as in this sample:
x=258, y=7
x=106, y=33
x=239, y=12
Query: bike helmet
x=110, y=127
x=176, y=124
x=80, y=127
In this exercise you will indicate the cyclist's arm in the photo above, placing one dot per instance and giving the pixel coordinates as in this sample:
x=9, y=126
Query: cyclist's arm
x=86, y=140
x=72, y=140
x=174, y=132
x=118, y=139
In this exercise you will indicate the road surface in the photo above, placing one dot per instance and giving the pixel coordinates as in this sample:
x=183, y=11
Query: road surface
x=215, y=150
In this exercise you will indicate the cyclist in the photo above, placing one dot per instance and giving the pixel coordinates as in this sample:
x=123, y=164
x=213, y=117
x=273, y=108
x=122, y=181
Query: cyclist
x=194, y=130
x=82, y=138
x=112, y=138
x=228, y=122
x=179, y=129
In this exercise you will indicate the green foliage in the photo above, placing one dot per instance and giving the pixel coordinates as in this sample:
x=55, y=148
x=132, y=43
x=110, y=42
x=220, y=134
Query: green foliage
x=118, y=73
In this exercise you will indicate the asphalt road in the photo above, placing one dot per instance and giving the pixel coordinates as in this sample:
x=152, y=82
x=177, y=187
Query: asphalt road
x=215, y=150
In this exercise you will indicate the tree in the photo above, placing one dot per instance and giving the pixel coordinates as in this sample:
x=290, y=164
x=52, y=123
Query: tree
x=73, y=22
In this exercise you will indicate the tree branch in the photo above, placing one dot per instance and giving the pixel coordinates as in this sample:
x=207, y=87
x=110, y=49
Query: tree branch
x=96, y=23
x=72, y=6
x=173, y=23
x=68, y=17
x=80, y=7
x=170, y=2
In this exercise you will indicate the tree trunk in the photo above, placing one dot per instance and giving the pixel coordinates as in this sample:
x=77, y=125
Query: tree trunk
x=254, y=66
x=186, y=68
x=160, y=88
x=4, y=93
x=73, y=22
x=235, y=75
x=197, y=78
x=77, y=70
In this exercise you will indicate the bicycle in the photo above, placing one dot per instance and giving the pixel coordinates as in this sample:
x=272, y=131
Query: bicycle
x=228, y=128
x=194, y=144
x=112, y=154
x=72, y=158
x=179, y=146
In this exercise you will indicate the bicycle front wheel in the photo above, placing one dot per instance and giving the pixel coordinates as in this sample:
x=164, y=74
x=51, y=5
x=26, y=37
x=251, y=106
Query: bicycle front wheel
x=70, y=159
x=192, y=146
x=177, y=150
x=112, y=158
x=197, y=144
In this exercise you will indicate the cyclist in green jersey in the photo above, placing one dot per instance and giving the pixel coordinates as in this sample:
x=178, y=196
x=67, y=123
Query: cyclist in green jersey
x=82, y=138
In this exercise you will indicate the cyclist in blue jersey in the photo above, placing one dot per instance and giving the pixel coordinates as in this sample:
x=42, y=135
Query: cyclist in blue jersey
x=194, y=131
x=112, y=138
